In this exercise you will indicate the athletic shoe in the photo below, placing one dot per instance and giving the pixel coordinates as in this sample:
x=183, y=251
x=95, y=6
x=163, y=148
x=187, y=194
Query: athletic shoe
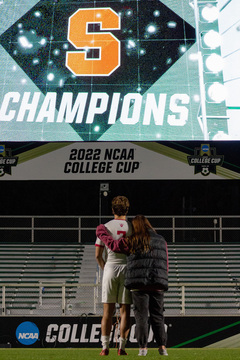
x=142, y=352
x=121, y=352
x=104, y=352
x=163, y=352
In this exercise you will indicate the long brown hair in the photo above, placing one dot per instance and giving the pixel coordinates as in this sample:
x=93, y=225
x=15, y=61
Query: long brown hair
x=140, y=238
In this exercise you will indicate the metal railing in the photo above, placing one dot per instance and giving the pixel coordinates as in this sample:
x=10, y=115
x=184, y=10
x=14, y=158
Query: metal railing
x=81, y=229
x=61, y=304
x=62, y=307
x=215, y=286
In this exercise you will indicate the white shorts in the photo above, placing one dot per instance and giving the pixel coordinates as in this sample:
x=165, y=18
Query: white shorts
x=113, y=289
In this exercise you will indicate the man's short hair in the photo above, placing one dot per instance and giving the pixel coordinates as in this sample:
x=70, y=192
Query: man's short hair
x=120, y=205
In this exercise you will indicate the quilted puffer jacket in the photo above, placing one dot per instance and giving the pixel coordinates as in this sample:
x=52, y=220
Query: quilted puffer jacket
x=147, y=270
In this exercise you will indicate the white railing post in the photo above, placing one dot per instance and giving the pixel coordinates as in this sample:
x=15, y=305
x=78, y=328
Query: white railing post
x=215, y=231
x=79, y=229
x=95, y=300
x=183, y=300
x=220, y=229
x=40, y=293
x=173, y=229
x=63, y=299
x=4, y=300
x=32, y=231
x=97, y=280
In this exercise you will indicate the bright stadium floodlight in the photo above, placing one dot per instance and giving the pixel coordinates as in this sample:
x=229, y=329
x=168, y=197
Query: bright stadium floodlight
x=212, y=116
x=216, y=92
x=209, y=13
x=211, y=39
x=213, y=63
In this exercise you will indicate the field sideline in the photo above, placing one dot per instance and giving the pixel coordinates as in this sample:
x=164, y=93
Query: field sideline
x=92, y=354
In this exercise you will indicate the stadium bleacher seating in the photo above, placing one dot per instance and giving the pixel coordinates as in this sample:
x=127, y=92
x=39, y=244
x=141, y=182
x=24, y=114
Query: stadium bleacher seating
x=189, y=265
x=208, y=264
x=37, y=263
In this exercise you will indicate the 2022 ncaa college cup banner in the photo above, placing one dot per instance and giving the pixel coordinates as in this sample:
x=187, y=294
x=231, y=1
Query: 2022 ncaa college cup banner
x=119, y=70
x=119, y=161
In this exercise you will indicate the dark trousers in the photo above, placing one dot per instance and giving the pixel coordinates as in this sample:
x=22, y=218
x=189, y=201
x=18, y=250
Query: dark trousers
x=151, y=302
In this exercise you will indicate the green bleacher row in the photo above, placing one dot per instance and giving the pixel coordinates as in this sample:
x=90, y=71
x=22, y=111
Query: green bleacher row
x=205, y=263
x=193, y=263
x=36, y=263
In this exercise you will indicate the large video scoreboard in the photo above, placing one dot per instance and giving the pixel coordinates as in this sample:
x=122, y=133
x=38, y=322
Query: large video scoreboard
x=118, y=70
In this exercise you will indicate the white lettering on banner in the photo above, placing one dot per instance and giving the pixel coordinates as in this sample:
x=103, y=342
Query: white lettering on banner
x=77, y=333
x=70, y=112
x=157, y=110
x=205, y=160
x=95, y=332
x=34, y=107
x=28, y=336
x=64, y=333
x=31, y=107
x=114, y=108
x=133, y=101
x=115, y=333
x=9, y=98
x=83, y=338
x=74, y=339
x=50, y=338
x=8, y=161
x=94, y=109
x=150, y=335
x=48, y=107
x=132, y=338
x=181, y=110
x=67, y=332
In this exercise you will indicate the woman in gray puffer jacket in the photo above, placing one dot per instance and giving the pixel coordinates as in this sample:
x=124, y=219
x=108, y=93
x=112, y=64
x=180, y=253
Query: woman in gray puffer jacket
x=146, y=276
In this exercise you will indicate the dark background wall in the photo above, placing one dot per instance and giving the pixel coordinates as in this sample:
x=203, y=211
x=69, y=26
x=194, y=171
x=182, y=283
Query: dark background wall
x=150, y=197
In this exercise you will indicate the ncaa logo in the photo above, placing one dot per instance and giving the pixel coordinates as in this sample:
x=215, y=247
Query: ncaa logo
x=205, y=148
x=27, y=333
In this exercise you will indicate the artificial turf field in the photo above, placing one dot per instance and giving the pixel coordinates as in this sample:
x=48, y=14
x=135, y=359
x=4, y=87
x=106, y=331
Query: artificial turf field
x=92, y=354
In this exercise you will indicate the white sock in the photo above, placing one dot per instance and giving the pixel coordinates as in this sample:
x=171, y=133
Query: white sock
x=142, y=352
x=105, y=341
x=122, y=343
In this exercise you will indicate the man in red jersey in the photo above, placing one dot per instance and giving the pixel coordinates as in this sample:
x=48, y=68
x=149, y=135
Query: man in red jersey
x=113, y=290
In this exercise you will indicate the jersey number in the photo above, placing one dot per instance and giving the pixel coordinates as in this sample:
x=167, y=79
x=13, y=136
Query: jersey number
x=119, y=232
x=104, y=45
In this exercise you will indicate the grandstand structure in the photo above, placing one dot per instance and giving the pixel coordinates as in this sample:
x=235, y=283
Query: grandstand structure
x=63, y=279
x=33, y=275
x=204, y=279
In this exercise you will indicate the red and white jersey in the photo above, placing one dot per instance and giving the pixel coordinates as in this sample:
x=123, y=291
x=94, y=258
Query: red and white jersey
x=117, y=229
